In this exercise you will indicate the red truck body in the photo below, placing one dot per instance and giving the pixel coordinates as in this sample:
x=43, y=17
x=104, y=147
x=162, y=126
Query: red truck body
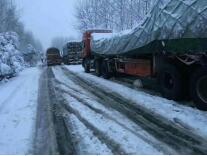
x=87, y=43
x=135, y=67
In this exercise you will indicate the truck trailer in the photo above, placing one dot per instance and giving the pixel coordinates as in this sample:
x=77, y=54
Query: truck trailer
x=170, y=46
x=72, y=53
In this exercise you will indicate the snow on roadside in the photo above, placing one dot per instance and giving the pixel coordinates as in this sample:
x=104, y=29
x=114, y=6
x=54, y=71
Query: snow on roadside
x=18, y=103
x=87, y=143
x=190, y=118
x=128, y=141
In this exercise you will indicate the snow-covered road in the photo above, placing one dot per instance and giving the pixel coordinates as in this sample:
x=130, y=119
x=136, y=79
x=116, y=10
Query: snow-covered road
x=66, y=111
x=115, y=132
x=181, y=115
x=18, y=103
x=100, y=114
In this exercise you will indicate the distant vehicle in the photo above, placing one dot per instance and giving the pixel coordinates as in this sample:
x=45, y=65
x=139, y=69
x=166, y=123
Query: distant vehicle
x=53, y=57
x=72, y=53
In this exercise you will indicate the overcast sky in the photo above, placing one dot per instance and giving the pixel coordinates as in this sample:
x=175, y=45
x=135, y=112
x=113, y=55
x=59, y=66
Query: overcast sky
x=48, y=18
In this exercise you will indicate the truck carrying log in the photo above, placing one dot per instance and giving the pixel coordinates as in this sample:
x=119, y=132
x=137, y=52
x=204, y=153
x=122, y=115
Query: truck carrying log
x=178, y=27
x=72, y=53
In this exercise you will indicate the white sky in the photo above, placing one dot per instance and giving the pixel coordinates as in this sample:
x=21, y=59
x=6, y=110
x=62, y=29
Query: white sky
x=48, y=18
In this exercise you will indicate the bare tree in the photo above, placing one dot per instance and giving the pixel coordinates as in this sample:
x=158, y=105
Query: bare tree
x=111, y=14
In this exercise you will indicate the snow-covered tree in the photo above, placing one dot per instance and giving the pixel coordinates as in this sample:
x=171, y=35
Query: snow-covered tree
x=11, y=59
x=31, y=56
x=59, y=42
x=14, y=40
x=9, y=19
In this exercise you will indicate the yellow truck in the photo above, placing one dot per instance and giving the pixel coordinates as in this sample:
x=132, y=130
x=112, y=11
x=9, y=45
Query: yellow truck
x=53, y=57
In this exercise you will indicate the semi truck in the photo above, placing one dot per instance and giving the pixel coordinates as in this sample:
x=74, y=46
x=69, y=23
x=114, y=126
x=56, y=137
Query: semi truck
x=53, y=57
x=170, y=46
x=72, y=53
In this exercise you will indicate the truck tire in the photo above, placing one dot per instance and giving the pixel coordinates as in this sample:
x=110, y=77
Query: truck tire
x=105, y=71
x=87, y=65
x=170, y=81
x=98, y=67
x=198, y=88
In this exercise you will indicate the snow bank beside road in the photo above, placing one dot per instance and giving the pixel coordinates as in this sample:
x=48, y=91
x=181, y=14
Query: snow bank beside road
x=187, y=117
x=18, y=103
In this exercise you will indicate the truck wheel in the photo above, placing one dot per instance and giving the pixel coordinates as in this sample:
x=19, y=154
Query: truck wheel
x=170, y=81
x=198, y=88
x=86, y=65
x=105, y=70
x=98, y=68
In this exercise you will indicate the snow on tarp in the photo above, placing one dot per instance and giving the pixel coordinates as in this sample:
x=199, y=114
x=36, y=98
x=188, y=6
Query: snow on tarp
x=179, y=26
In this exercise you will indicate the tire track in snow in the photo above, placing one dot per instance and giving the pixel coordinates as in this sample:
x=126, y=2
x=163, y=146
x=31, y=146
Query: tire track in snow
x=111, y=144
x=176, y=137
x=45, y=139
x=63, y=136
x=151, y=141
x=105, y=130
x=66, y=142
x=110, y=141
x=52, y=135
x=133, y=129
x=86, y=141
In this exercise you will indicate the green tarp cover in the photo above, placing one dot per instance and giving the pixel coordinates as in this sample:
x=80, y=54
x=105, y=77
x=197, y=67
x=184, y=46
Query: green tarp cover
x=178, y=26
